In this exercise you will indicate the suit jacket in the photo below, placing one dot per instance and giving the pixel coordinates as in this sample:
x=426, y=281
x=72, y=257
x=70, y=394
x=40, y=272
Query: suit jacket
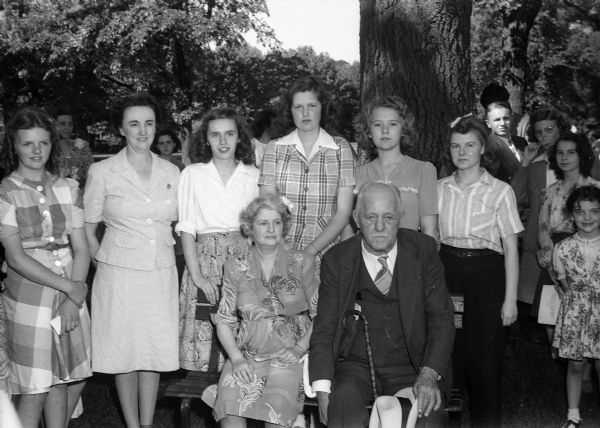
x=528, y=184
x=426, y=309
x=503, y=162
x=138, y=219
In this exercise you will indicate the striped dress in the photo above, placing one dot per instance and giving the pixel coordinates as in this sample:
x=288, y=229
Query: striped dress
x=41, y=213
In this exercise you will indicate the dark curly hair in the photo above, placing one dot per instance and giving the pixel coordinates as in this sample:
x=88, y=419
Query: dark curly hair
x=308, y=84
x=162, y=133
x=263, y=119
x=117, y=110
x=200, y=150
x=547, y=113
x=269, y=202
x=580, y=194
x=364, y=119
x=28, y=118
x=584, y=151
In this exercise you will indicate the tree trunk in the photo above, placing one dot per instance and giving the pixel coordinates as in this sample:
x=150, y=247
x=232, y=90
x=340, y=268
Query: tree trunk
x=419, y=50
x=517, y=20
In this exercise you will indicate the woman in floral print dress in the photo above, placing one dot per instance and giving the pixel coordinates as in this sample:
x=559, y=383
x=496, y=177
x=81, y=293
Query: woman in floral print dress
x=271, y=295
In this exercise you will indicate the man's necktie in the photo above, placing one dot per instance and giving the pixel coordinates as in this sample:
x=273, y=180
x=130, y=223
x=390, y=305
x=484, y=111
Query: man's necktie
x=383, y=279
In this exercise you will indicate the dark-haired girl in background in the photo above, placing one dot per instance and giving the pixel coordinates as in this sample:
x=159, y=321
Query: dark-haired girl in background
x=166, y=142
x=212, y=193
x=264, y=129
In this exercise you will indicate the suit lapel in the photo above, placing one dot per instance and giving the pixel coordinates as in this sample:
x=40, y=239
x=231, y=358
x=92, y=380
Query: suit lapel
x=405, y=279
x=349, y=275
x=125, y=170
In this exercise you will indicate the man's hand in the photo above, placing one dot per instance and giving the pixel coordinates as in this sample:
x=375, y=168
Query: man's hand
x=323, y=399
x=427, y=392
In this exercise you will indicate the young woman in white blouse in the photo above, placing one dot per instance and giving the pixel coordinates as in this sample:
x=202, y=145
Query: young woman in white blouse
x=212, y=192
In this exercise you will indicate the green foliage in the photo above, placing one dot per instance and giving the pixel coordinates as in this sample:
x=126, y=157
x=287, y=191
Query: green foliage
x=563, y=55
x=191, y=55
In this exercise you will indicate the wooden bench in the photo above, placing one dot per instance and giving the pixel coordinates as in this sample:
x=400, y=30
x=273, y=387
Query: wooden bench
x=194, y=384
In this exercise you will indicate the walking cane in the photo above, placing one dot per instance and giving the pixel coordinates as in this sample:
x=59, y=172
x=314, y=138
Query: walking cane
x=363, y=319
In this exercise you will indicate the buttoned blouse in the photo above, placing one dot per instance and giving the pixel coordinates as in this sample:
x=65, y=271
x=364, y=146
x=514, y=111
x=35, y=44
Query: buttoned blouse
x=417, y=182
x=478, y=216
x=41, y=213
x=553, y=217
x=208, y=205
x=138, y=219
x=311, y=184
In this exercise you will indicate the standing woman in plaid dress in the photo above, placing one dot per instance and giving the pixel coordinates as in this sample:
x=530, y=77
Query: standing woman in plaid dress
x=41, y=228
x=311, y=168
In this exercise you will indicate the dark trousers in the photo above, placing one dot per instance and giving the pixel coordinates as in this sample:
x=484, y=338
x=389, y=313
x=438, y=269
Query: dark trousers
x=351, y=392
x=479, y=346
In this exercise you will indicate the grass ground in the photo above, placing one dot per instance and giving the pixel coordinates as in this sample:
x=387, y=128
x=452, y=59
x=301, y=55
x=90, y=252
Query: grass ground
x=533, y=385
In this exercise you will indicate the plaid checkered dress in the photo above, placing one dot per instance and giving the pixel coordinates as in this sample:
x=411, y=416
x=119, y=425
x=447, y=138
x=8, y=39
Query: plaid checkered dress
x=311, y=185
x=41, y=213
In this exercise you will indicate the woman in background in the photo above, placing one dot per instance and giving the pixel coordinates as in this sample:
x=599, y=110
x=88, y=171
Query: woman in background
x=532, y=177
x=134, y=296
x=213, y=191
x=166, y=142
x=264, y=129
x=311, y=168
x=76, y=155
x=571, y=159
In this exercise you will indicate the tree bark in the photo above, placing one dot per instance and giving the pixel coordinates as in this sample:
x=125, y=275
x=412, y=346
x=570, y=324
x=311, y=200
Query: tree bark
x=419, y=50
x=517, y=20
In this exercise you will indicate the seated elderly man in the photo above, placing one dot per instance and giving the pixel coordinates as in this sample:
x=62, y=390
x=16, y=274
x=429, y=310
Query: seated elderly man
x=395, y=278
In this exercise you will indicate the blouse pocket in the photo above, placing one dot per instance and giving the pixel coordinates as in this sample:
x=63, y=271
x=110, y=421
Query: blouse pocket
x=130, y=241
x=482, y=223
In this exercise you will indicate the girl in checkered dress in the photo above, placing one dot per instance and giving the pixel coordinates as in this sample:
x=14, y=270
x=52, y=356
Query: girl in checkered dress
x=41, y=228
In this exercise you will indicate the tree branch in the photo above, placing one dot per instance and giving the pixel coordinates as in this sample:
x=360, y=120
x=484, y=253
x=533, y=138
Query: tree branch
x=594, y=19
x=115, y=81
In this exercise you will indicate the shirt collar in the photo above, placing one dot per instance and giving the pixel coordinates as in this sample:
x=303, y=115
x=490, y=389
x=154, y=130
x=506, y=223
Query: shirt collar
x=293, y=139
x=485, y=177
x=371, y=262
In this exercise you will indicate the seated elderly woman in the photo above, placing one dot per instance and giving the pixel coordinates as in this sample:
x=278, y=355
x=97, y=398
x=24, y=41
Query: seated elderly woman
x=264, y=322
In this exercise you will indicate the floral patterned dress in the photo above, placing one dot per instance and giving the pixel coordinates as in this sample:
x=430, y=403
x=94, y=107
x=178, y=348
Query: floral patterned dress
x=271, y=314
x=577, y=332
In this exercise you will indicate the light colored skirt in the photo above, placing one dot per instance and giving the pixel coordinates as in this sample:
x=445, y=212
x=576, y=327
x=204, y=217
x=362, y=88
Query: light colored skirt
x=134, y=320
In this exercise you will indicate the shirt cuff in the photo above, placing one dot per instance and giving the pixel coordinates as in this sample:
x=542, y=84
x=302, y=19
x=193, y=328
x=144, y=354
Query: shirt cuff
x=322, y=385
x=185, y=227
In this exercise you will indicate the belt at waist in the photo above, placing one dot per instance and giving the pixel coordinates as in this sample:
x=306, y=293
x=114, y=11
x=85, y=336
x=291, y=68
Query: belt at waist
x=467, y=252
x=50, y=246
